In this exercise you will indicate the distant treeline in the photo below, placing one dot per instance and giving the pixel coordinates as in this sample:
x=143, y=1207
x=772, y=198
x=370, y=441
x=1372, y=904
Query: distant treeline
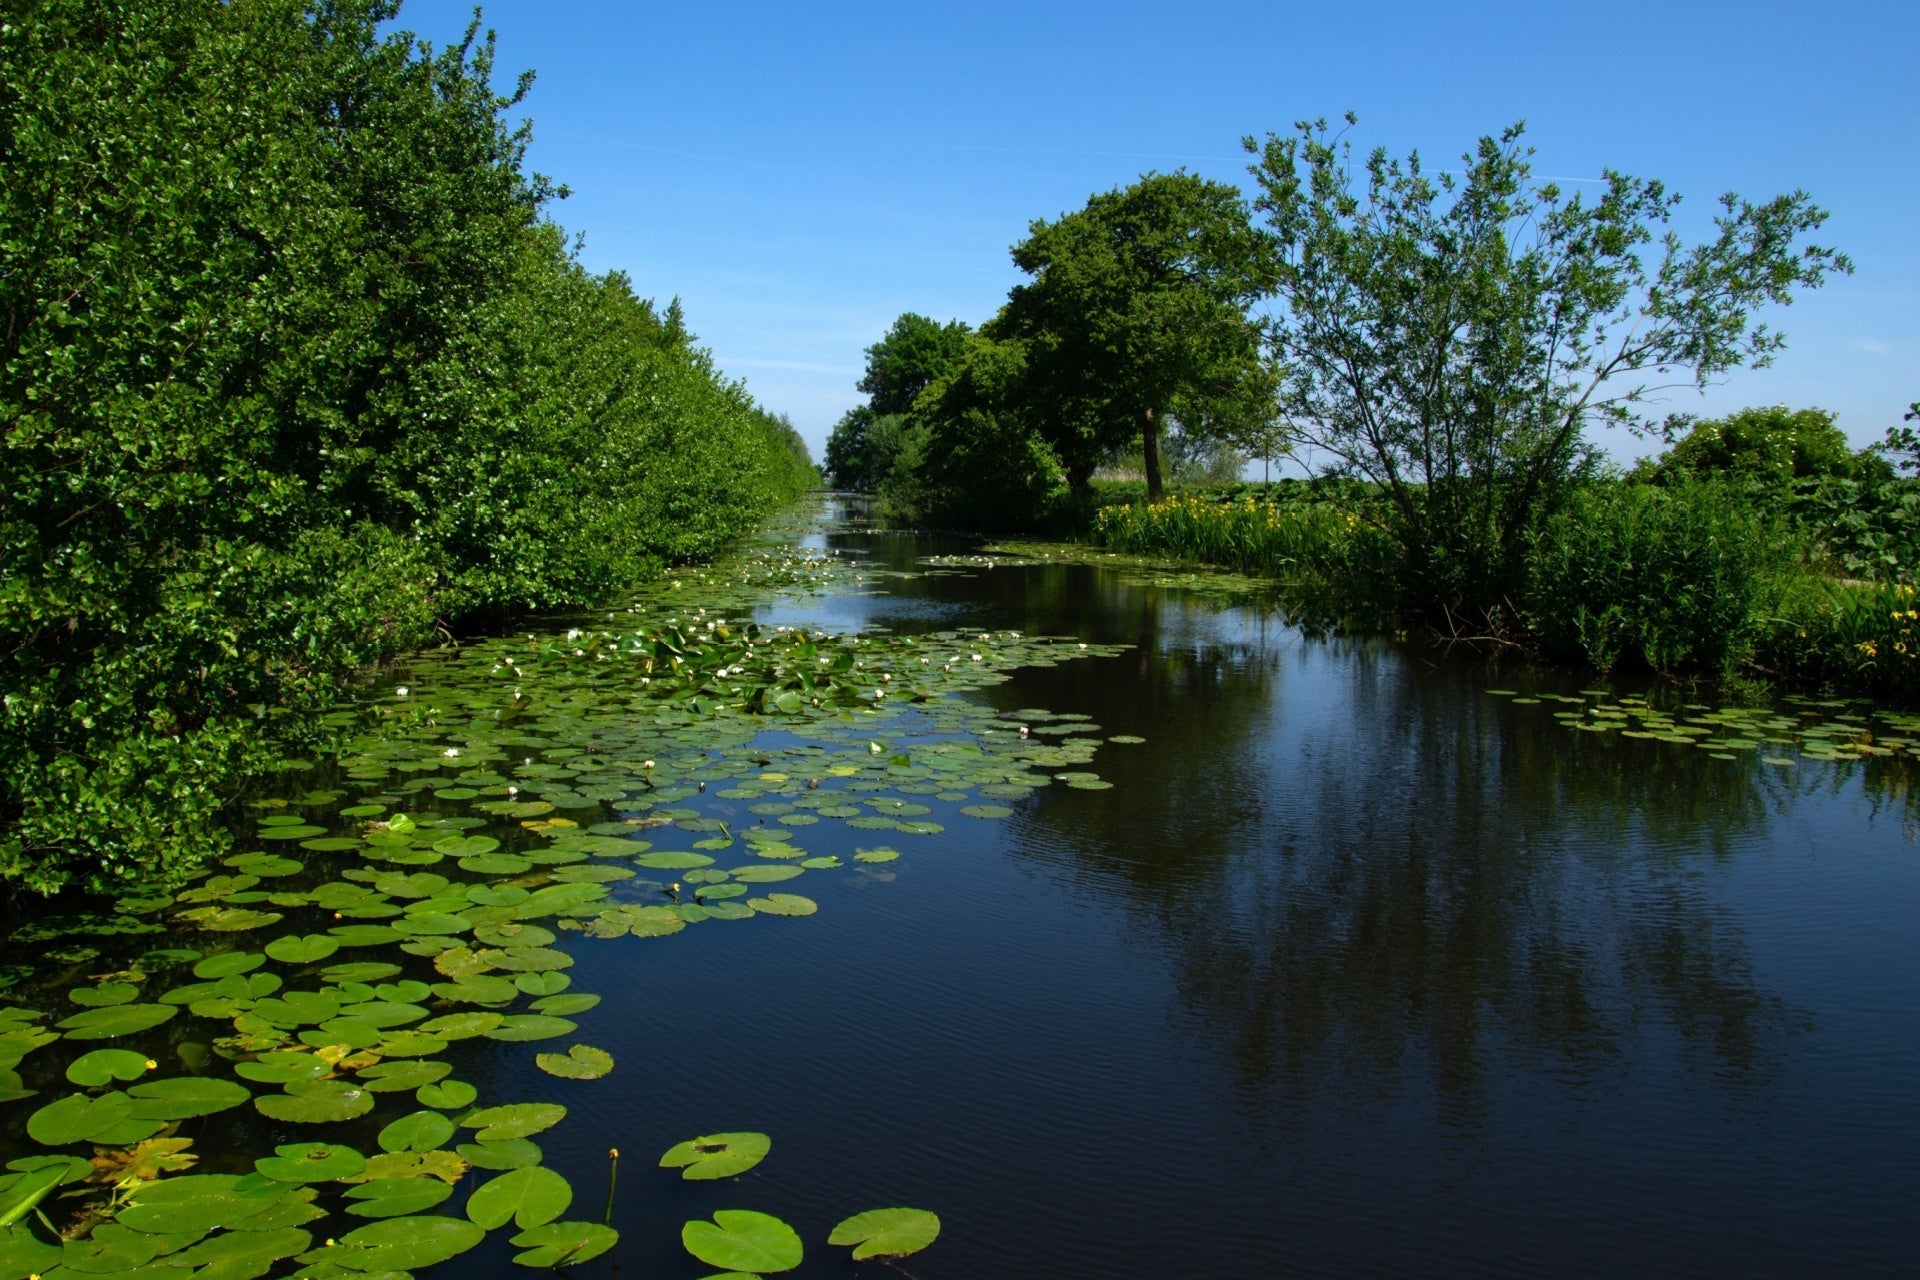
x=1439, y=347
x=293, y=371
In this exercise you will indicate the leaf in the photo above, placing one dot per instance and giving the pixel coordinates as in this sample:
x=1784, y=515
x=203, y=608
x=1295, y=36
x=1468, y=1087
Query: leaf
x=316, y=1102
x=784, y=904
x=399, y=1077
x=447, y=1095
x=507, y=1153
x=515, y=1120
x=184, y=1097
x=444, y=1165
x=120, y=1020
x=581, y=1062
x=393, y=1197
x=238, y=1254
x=762, y=873
x=78, y=1118
x=716, y=1155
x=105, y=995
x=303, y=1162
x=531, y=1026
x=887, y=1233
x=742, y=1240
x=532, y=1197
x=407, y=1244
x=101, y=1065
x=564, y=1243
x=421, y=1131
x=195, y=1202
x=292, y=949
x=666, y=860
x=145, y=1161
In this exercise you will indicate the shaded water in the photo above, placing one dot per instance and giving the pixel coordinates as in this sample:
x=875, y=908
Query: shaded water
x=1355, y=971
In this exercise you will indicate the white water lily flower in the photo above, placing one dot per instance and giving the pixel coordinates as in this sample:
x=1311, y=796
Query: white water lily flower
x=451, y=753
x=401, y=692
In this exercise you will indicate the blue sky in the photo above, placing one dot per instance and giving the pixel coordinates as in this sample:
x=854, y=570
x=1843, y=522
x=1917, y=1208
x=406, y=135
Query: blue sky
x=801, y=174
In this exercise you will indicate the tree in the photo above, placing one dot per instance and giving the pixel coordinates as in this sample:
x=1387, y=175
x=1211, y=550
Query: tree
x=915, y=351
x=1137, y=310
x=1774, y=445
x=1449, y=337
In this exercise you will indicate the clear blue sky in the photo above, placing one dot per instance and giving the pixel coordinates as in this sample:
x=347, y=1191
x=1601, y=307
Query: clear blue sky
x=802, y=173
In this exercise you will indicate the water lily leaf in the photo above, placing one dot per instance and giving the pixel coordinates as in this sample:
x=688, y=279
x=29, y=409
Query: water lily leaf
x=508, y=1153
x=515, y=1120
x=784, y=904
x=717, y=892
x=302, y=1162
x=447, y=1095
x=98, y=1067
x=531, y=1026
x=196, y=1202
x=463, y=1026
x=316, y=1102
x=108, y=1249
x=297, y=1008
x=120, y=1020
x=876, y=855
x=302, y=832
x=495, y=864
x=985, y=811
x=283, y=1066
x=183, y=1097
x=760, y=873
x=717, y=1155
x=826, y=863
x=393, y=1197
x=525, y=959
x=564, y=1243
x=421, y=1131
x=105, y=995
x=405, y=1244
x=444, y=1165
x=23, y=1254
x=531, y=1197
x=400, y=1077
x=581, y=1062
x=742, y=1240
x=78, y=1118
x=887, y=1233
x=363, y=935
x=302, y=950
x=236, y=1255
x=465, y=846
x=565, y=1006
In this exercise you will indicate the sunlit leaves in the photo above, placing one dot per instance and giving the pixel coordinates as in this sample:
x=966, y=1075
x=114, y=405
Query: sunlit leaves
x=743, y=1240
x=717, y=1155
x=530, y=1197
x=580, y=1062
x=887, y=1233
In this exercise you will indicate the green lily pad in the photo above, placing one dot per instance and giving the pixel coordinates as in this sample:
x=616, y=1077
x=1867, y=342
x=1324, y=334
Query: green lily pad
x=531, y=1197
x=316, y=1102
x=581, y=1062
x=765, y=873
x=462, y=1026
x=302, y=950
x=563, y=1244
x=120, y=1020
x=515, y=1120
x=193, y=1202
x=666, y=860
x=716, y=1155
x=102, y=1065
x=184, y=1097
x=887, y=1233
x=742, y=1240
x=784, y=904
x=447, y=1095
x=986, y=811
x=303, y=1162
x=79, y=1118
x=406, y=1244
x=531, y=1026
x=249, y=1251
x=228, y=964
x=421, y=1131
x=567, y=1004
x=876, y=855
x=106, y=995
x=507, y=1153
x=394, y=1197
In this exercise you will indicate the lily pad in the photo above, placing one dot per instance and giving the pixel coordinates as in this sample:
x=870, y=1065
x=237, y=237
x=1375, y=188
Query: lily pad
x=294, y=949
x=316, y=1102
x=564, y=1243
x=508, y=1153
x=716, y=1155
x=515, y=1120
x=421, y=1131
x=784, y=904
x=742, y=1240
x=120, y=1020
x=102, y=1065
x=302, y=1162
x=531, y=1026
x=184, y=1097
x=394, y=1197
x=531, y=1197
x=765, y=873
x=887, y=1233
x=407, y=1244
x=581, y=1062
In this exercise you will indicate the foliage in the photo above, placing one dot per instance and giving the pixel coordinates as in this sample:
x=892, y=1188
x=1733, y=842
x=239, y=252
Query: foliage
x=1665, y=578
x=1450, y=337
x=1771, y=446
x=1300, y=542
x=864, y=449
x=969, y=456
x=1862, y=638
x=1902, y=444
x=291, y=369
x=915, y=351
x=1860, y=528
x=1137, y=312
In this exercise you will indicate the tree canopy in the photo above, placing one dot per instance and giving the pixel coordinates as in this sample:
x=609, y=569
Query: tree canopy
x=901, y=365
x=1450, y=335
x=1137, y=310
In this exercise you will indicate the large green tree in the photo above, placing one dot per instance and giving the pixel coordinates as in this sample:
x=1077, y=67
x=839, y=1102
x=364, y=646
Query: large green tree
x=1449, y=336
x=1137, y=311
x=915, y=351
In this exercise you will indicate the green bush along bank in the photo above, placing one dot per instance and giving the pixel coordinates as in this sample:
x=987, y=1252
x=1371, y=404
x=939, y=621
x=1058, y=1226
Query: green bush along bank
x=292, y=368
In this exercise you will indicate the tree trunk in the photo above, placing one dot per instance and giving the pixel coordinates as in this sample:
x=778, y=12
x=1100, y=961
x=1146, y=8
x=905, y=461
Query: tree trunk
x=1150, y=453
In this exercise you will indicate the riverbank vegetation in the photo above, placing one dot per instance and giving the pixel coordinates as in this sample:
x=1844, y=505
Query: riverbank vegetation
x=296, y=373
x=1443, y=346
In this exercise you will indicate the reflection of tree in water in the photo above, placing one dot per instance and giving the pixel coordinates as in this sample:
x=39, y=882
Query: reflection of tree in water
x=1399, y=884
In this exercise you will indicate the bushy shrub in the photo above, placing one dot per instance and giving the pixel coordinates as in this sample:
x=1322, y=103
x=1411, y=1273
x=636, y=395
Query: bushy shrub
x=1848, y=638
x=1772, y=445
x=290, y=368
x=1665, y=577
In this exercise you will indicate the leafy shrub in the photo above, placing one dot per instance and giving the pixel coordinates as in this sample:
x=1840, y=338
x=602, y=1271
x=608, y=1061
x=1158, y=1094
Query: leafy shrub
x=290, y=368
x=1665, y=577
x=1771, y=445
x=1848, y=638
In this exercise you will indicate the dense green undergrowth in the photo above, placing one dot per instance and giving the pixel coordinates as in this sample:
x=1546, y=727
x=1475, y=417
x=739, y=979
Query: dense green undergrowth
x=293, y=371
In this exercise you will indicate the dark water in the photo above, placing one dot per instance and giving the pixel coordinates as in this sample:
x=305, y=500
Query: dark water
x=1355, y=971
